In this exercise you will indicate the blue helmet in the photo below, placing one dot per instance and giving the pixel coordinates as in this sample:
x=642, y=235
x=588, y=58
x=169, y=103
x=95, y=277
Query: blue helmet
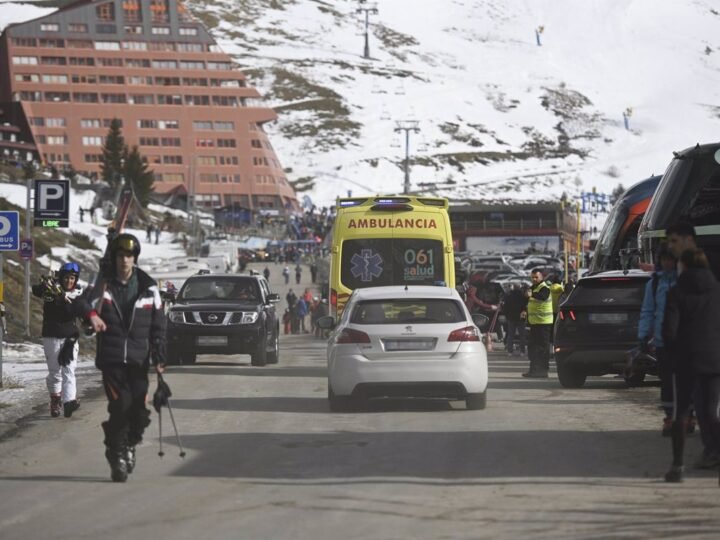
x=70, y=268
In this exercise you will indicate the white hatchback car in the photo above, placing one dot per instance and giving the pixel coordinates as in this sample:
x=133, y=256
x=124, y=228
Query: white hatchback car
x=398, y=341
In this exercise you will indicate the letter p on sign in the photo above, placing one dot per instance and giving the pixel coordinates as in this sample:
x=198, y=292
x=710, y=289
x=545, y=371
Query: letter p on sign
x=54, y=193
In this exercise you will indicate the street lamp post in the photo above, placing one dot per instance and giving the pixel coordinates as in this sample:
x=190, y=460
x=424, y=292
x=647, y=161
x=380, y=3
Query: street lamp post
x=366, y=8
x=407, y=126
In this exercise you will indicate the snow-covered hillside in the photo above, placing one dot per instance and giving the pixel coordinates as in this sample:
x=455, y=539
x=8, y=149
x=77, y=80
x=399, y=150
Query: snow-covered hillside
x=500, y=116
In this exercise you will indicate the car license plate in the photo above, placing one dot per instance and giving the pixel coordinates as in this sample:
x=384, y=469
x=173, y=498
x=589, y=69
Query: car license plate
x=608, y=318
x=212, y=341
x=409, y=344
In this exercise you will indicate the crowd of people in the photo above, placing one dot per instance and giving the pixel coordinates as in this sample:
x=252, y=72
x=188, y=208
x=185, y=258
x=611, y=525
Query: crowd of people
x=300, y=309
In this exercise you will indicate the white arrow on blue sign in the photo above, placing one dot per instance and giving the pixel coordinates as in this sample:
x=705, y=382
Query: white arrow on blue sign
x=9, y=231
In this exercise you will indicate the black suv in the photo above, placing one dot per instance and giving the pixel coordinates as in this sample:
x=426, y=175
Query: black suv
x=597, y=325
x=224, y=314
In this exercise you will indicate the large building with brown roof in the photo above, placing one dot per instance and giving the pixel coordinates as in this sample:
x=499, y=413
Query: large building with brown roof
x=157, y=69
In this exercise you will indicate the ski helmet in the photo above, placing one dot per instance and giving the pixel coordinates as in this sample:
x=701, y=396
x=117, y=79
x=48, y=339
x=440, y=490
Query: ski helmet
x=125, y=242
x=71, y=269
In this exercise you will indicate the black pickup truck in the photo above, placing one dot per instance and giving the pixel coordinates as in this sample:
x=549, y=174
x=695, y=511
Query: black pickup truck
x=224, y=314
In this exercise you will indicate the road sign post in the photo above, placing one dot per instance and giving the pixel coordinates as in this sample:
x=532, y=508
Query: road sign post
x=9, y=241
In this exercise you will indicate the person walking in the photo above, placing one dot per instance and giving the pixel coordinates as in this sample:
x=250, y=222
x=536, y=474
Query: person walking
x=691, y=332
x=650, y=324
x=301, y=309
x=286, y=274
x=298, y=273
x=62, y=306
x=313, y=272
x=266, y=273
x=540, y=318
x=131, y=335
x=515, y=311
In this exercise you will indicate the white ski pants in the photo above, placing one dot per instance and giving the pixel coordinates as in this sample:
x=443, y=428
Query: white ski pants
x=60, y=379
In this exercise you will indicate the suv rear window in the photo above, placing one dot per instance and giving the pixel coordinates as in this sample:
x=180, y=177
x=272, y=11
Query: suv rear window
x=609, y=292
x=411, y=311
x=220, y=288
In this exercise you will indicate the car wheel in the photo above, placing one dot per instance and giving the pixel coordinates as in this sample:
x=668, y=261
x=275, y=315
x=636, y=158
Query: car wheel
x=274, y=356
x=570, y=376
x=636, y=379
x=476, y=402
x=260, y=356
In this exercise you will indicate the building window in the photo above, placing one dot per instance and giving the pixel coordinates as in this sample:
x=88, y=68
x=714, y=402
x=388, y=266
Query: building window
x=160, y=30
x=93, y=158
x=227, y=83
x=172, y=160
x=80, y=44
x=205, y=143
x=78, y=28
x=219, y=66
x=255, y=143
x=190, y=47
x=55, y=122
x=229, y=160
x=225, y=101
x=27, y=77
x=57, y=96
x=199, y=125
x=93, y=141
x=105, y=12
x=169, y=100
x=36, y=121
x=90, y=123
x=161, y=46
x=84, y=79
x=52, y=43
x=110, y=62
x=57, y=139
x=24, y=42
x=147, y=124
x=197, y=100
x=85, y=97
x=49, y=27
x=160, y=11
x=169, y=124
x=132, y=11
x=139, y=80
x=105, y=28
x=192, y=81
x=189, y=64
x=134, y=30
x=226, y=143
x=224, y=126
x=107, y=45
x=170, y=141
x=113, y=98
x=207, y=160
x=142, y=99
x=167, y=81
x=112, y=79
x=209, y=178
x=175, y=178
x=149, y=141
x=135, y=45
x=137, y=63
x=108, y=121
x=55, y=79
x=82, y=61
x=25, y=60
x=53, y=60
x=164, y=64
x=188, y=31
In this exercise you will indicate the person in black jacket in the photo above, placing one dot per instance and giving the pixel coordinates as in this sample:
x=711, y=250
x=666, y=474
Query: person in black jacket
x=63, y=304
x=515, y=310
x=130, y=322
x=691, y=332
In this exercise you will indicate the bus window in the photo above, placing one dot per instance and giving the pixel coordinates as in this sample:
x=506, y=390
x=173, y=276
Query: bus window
x=374, y=262
x=705, y=208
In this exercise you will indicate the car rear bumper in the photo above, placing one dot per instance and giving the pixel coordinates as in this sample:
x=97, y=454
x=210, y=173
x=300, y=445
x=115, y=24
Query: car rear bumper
x=444, y=377
x=597, y=360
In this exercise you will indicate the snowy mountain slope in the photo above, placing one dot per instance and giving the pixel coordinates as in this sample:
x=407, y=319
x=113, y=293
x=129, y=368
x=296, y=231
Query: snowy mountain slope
x=500, y=117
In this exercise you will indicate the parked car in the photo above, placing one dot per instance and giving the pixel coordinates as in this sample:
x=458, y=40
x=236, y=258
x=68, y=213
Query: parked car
x=224, y=314
x=597, y=325
x=406, y=341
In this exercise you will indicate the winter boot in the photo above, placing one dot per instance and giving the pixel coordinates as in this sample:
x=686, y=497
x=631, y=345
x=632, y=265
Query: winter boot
x=70, y=407
x=130, y=458
x=118, y=465
x=55, y=405
x=675, y=474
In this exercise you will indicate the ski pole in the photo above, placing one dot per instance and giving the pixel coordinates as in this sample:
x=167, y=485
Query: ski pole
x=160, y=452
x=177, y=435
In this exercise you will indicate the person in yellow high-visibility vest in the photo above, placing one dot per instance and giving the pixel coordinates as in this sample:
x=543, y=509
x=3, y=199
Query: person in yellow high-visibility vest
x=540, y=319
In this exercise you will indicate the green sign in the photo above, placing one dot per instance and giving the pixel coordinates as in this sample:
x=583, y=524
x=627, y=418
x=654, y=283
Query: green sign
x=51, y=223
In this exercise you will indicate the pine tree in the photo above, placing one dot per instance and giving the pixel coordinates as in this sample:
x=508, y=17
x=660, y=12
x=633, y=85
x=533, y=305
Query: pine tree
x=137, y=172
x=112, y=154
x=617, y=193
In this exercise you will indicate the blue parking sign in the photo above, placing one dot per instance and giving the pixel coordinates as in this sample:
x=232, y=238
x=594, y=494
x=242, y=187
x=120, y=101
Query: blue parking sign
x=9, y=231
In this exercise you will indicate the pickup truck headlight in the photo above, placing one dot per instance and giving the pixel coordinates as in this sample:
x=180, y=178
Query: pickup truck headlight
x=176, y=316
x=249, y=317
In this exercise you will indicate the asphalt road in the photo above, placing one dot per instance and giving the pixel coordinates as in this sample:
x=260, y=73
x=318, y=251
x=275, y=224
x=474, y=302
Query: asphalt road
x=266, y=459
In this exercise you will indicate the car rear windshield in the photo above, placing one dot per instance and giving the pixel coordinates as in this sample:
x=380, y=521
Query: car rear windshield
x=372, y=262
x=410, y=311
x=609, y=292
x=220, y=288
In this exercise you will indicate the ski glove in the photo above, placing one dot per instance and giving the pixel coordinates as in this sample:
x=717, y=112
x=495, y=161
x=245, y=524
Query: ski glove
x=66, y=355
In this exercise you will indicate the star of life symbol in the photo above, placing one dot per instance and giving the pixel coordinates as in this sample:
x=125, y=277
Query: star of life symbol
x=366, y=265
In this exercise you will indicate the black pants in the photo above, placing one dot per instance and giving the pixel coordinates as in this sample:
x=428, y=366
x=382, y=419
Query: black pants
x=126, y=388
x=539, y=348
x=704, y=390
x=665, y=373
x=512, y=327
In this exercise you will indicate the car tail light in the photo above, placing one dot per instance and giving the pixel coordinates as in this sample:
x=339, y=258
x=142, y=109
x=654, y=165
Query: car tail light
x=567, y=313
x=352, y=336
x=333, y=297
x=469, y=333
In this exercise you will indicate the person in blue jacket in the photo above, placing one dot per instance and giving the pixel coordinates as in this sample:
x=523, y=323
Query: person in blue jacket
x=652, y=314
